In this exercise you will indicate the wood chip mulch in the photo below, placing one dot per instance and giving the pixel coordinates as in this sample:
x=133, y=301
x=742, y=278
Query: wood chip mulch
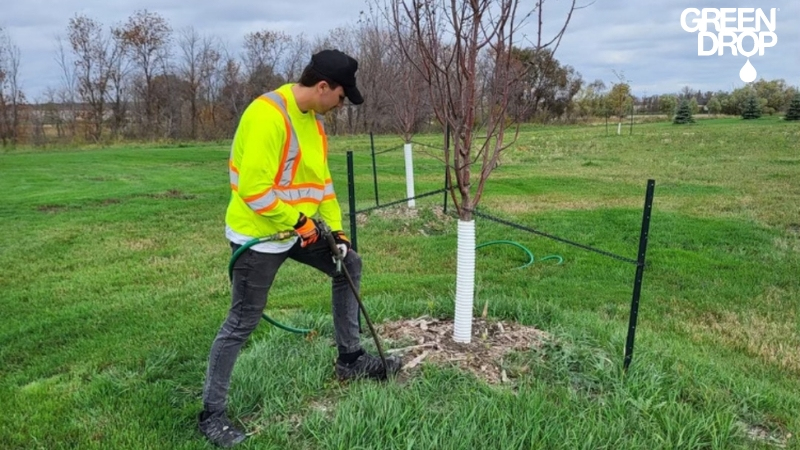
x=430, y=340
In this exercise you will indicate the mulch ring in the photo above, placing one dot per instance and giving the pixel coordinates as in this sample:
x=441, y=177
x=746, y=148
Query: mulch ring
x=427, y=339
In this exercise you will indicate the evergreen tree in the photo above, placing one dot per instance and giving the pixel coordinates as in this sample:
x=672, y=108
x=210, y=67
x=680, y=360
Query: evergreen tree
x=752, y=109
x=793, y=113
x=684, y=113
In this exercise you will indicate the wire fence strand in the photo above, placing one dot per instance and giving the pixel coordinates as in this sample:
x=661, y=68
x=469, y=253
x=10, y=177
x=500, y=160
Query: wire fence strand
x=387, y=150
x=437, y=147
x=385, y=205
x=555, y=238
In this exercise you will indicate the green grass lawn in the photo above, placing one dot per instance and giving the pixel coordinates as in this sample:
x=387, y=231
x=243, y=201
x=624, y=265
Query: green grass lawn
x=113, y=283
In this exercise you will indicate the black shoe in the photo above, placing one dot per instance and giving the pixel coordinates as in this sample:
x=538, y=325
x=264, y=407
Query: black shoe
x=368, y=366
x=219, y=430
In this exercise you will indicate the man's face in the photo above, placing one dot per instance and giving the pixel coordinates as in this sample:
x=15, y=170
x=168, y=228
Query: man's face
x=330, y=99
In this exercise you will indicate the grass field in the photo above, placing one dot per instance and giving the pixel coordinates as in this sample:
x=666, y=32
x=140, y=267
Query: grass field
x=113, y=283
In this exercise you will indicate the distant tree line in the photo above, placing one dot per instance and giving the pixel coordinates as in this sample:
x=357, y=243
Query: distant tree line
x=142, y=80
x=595, y=100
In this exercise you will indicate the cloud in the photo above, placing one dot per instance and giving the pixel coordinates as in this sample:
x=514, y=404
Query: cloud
x=642, y=40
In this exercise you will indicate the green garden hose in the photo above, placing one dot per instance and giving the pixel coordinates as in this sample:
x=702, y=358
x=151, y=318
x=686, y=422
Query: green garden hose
x=286, y=234
x=528, y=252
x=244, y=248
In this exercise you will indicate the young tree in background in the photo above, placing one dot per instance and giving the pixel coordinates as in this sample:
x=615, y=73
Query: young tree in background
x=693, y=105
x=667, y=104
x=714, y=106
x=11, y=96
x=444, y=41
x=590, y=100
x=619, y=100
x=620, y=96
x=146, y=37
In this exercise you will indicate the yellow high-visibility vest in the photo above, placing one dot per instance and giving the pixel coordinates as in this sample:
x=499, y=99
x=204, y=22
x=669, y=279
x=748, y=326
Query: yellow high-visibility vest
x=278, y=168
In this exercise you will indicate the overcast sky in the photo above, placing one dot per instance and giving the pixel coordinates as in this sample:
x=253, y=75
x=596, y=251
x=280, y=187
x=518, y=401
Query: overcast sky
x=640, y=40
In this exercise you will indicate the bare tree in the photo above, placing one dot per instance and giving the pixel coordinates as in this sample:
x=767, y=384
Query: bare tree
x=39, y=116
x=448, y=38
x=146, y=37
x=197, y=67
x=119, y=89
x=67, y=92
x=264, y=52
x=189, y=43
x=380, y=60
x=169, y=93
x=232, y=94
x=91, y=48
x=346, y=40
x=210, y=85
x=297, y=55
x=408, y=99
x=11, y=96
x=51, y=116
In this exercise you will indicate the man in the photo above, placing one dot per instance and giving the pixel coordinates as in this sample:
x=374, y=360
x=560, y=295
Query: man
x=279, y=180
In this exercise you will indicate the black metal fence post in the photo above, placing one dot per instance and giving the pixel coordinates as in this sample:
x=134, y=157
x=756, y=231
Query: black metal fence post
x=446, y=162
x=637, y=284
x=351, y=197
x=374, y=169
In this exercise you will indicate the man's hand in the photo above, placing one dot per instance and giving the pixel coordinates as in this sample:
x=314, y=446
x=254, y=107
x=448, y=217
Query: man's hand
x=307, y=229
x=342, y=242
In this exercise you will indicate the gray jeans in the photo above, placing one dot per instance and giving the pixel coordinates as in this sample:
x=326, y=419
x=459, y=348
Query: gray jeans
x=253, y=274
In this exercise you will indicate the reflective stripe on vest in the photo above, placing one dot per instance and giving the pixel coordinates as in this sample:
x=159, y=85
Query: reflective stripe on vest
x=328, y=193
x=283, y=188
x=234, y=172
x=291, y=148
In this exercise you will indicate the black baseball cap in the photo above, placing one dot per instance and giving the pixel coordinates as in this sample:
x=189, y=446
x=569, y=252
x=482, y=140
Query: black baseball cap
x=341, y=68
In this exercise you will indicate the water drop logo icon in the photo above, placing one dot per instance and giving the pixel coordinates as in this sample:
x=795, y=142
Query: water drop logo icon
x=748, y=72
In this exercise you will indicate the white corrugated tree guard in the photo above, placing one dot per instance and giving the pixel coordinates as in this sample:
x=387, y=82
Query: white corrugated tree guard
x=409, y=174
x=465, y=281
x=444, y=40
